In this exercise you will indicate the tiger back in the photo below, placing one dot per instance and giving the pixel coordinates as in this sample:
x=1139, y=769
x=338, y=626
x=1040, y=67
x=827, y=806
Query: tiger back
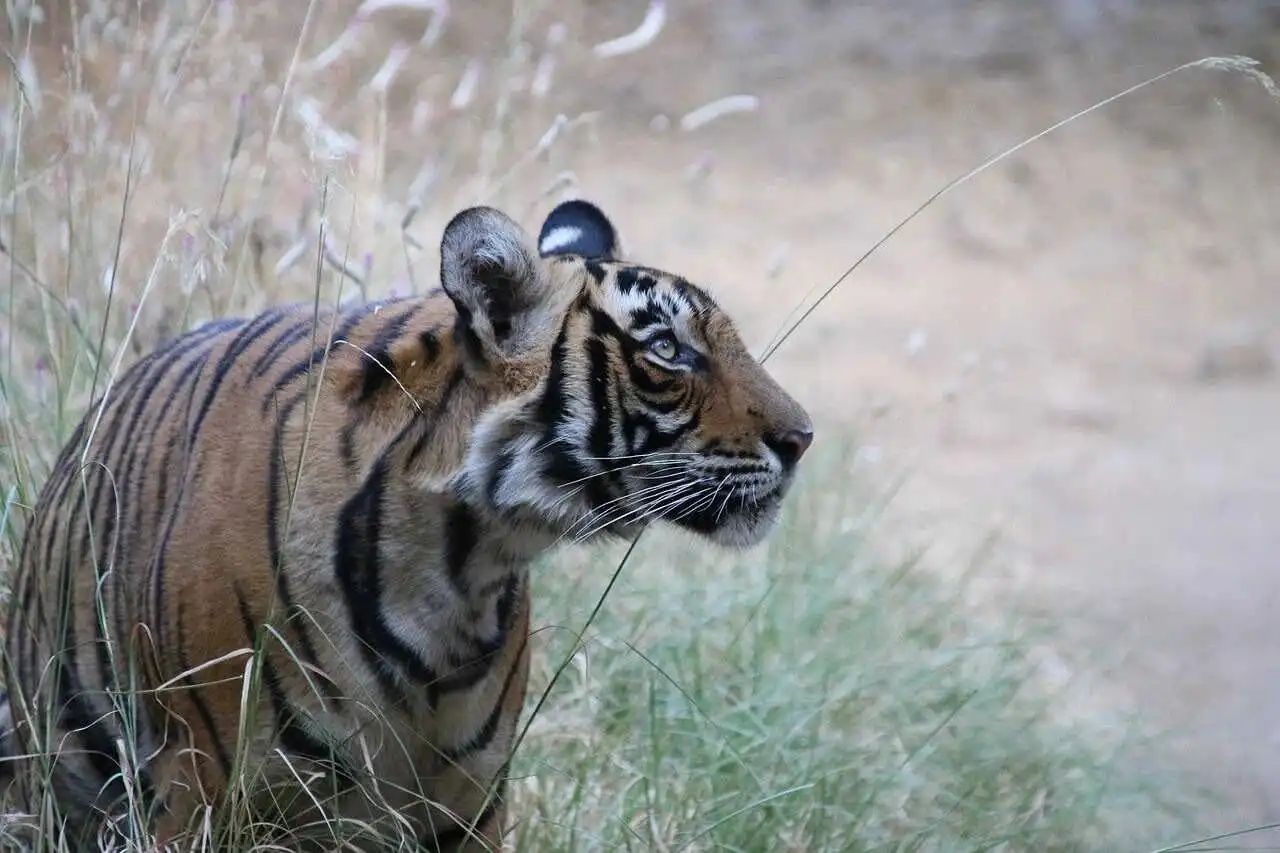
x=280, y=573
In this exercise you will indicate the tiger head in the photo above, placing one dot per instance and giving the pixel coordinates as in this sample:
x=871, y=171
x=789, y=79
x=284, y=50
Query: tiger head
x=632, y=396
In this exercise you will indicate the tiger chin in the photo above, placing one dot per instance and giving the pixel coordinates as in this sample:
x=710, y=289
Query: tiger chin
x=367, y=488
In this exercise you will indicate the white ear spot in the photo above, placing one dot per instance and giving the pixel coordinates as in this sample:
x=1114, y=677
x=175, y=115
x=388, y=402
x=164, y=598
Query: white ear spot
x=558, y=238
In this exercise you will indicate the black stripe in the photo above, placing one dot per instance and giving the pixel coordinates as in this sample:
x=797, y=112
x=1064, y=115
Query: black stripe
x=461, y=535
x=648, y=315
x=496, y=472
x=604, y=326
x=64, y=641
x=347, y=445
x=67, y=465
x=74, y=713
x=699, y=298
x=90, y=727
x=376, y=372
x=260, y=325
x=292, y=734
x=598, y=437
x=561, y=463
x=357, y=565
x=213, y=328
x=281, y=345
x=27, y=623
x=133, y=392
x=645, y=383
x=430, y=341
x=55, y=528
x=124, y=430
x=352, y=319
x=552, y=407
x=193, y=694
x=275, y=473
x=636, y=279
x=44, y=526
x=179, y=438
x=442, y=841
x=142, y=439
x=468, y=673
x=465, y=338
x=250, y=333
x=428, y=422
x=655, y=439
x=99, y=519
x=485, y=734
x=159, y=544
x=141, y=468
x=377, y=366
x=606, y=408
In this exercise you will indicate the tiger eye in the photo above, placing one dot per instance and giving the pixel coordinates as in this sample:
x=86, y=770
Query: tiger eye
x=665, y=348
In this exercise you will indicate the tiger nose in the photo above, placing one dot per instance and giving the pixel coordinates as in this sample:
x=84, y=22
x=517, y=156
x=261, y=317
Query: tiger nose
x=790, y=445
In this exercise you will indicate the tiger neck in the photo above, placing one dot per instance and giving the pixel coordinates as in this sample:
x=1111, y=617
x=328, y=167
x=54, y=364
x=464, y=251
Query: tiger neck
x=532, y=486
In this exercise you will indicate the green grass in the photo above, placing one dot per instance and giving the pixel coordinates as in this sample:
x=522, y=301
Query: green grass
x=805, y=696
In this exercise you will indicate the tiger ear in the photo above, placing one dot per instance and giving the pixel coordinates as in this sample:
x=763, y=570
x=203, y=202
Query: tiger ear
x=579, y=228
x=490, y=270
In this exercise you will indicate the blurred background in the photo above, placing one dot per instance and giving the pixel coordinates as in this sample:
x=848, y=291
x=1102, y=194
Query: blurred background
x=1065, y=367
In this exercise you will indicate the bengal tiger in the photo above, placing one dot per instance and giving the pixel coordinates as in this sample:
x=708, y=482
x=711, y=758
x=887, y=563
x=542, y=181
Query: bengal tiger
x=284, y=564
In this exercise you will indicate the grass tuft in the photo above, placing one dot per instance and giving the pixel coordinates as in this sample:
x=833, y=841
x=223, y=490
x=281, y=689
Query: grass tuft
x=807, y=697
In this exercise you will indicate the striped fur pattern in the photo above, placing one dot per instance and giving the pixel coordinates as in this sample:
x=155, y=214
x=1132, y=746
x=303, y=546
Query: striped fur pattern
x=358, y=494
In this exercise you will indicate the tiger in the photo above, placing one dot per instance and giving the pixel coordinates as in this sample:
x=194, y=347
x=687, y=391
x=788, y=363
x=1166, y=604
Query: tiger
x=283, y=563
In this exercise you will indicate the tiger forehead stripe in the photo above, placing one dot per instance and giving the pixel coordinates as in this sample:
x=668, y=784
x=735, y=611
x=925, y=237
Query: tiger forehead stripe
x=660, y=307
x=636, y=280
x=642, y=285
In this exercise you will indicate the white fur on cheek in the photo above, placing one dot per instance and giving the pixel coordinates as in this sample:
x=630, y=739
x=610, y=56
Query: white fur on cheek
x=558, y=238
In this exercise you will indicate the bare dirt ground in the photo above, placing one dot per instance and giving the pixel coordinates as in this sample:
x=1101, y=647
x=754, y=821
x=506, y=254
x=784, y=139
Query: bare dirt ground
x=1071, y=350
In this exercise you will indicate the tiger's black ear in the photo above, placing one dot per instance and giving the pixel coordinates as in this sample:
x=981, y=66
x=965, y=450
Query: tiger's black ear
x=579, y=228
x=489, y=269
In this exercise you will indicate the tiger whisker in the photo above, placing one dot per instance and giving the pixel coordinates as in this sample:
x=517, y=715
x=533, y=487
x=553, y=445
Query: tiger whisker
x=664, y=478
x=658, y=464
x=651, y=493
x=694, y=501
x=644, y=511
x=602, y=511
x=635, y=516
x=657, y=454
x=710, y=500
x=668, y=480
x=728, y=495
x=659, y=503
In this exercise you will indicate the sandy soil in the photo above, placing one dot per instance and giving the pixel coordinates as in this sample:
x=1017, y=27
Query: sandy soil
x=1072, y=350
